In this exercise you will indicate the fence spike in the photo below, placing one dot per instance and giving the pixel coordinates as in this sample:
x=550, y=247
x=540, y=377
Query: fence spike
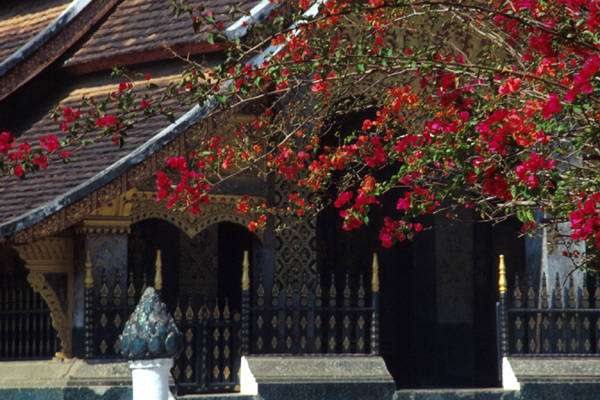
x=585, y=294
x=332, y=291
x=558, y=295
x=517, y=295
x=571, y=294
x=544, y=294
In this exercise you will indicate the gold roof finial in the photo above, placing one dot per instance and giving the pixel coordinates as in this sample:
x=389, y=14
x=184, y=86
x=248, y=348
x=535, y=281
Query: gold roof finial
x=158, y=271
x=502, y=287
x=246, y=271
x=88, y=279
x=375, y=276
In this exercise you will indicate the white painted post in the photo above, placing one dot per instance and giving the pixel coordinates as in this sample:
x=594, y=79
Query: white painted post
x=151, y=378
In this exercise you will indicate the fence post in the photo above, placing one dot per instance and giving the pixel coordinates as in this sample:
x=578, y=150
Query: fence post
x=501, y=316
x=245, y=303
x=375, y=306
x=88, y=282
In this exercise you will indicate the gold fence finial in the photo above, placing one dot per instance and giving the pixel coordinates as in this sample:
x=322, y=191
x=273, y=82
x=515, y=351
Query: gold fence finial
x=375, y=276
x=158, y=271
x=88, y=279
x=502, y=287
x=246, y=271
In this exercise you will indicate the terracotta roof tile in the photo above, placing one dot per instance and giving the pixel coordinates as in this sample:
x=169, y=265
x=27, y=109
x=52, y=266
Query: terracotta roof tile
x=22, y=20
x=141, y=25
x=20, y=196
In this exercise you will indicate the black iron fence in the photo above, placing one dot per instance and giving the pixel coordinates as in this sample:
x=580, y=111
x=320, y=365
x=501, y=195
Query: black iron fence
x=560, y=320
x=340, y=319
x=210, y=360
x=339, y=316
x=26, y=330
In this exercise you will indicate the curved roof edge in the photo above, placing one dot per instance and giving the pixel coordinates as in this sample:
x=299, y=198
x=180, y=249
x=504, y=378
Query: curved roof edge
x=51, y=43
x=42, y=37
x=237, y=30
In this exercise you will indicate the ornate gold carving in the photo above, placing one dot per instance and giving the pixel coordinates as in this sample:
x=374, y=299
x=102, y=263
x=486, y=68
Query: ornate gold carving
x=158, y=271
x=375, y=277
x=48, y=255
x=502, y=287
x=220, y=208
x=246, y=271
x=60, y=321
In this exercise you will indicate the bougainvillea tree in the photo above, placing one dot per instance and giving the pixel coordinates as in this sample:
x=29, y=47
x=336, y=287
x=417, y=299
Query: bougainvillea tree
x=442, y=104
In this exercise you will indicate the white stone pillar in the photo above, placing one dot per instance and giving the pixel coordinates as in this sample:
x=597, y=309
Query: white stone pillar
x=151, y=378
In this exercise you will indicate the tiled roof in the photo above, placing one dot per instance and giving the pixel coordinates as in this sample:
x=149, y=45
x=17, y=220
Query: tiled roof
x=22, y=20
x=21, y=196
x=138, y=26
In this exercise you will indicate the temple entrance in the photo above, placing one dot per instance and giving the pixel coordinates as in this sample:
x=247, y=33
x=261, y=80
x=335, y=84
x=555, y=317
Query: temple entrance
x=200, y=281
x=438, y=295
x=26, y=331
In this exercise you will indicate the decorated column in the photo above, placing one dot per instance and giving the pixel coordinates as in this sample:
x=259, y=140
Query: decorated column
x=150, y=341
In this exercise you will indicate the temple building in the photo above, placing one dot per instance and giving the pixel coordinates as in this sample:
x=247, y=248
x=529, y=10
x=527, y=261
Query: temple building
x=79, y=242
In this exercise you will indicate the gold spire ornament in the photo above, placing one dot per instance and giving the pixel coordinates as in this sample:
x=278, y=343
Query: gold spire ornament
x=88, y=279
x=502, y=287
x=158, y=282
x=375, y=276
x=246, y=271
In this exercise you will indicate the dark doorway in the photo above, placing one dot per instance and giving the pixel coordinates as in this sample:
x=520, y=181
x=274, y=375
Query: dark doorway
x=438, y=295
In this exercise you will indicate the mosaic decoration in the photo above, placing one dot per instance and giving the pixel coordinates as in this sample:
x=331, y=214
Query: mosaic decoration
x=150, y=332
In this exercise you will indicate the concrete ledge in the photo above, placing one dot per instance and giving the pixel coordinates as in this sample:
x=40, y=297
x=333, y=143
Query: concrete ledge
x=274, y=369
x=555, y=369
x=61, y=374
x=456, y=394
x=319, y=377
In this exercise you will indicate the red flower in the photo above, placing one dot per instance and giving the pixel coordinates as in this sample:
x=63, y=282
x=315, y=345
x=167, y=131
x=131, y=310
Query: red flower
x=404, y=202
x=342, y=199
x=18, y=171
x=49, y=143
x=123, y=86
x=41, y=161
x=510, y=86
x=552, y=106
x=7, y=141
x=144, y=104
x=107, y=121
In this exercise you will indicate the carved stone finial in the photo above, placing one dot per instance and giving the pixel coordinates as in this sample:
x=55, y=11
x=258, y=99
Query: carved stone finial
x=88, y=280
x=246, y=271
x=375, y=276
x=150, y=332
x=502, y=287
x=158, y=271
